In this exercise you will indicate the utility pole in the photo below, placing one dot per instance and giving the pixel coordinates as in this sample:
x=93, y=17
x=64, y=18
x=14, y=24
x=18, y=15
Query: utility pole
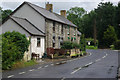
x=95, y=33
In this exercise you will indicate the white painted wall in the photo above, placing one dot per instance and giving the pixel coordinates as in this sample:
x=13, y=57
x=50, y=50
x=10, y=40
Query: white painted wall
x=38, y=50
x=30, y=14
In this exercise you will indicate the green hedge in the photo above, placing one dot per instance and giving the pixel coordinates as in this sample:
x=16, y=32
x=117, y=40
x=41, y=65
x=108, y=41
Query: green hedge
x=70, y=45
x=14, y=44
x=117, y=45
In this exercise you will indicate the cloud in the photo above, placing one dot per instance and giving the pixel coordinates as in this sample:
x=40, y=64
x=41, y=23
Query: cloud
x=58, y=5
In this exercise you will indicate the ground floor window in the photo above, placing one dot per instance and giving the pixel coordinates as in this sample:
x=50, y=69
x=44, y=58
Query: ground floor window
x=53, y=44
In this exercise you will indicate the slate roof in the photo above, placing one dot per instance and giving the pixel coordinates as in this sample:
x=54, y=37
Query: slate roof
x=50, y=15
x=29, y=27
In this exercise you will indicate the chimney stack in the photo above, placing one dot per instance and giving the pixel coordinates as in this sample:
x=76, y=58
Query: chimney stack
x=63, y=13
x=49, y=7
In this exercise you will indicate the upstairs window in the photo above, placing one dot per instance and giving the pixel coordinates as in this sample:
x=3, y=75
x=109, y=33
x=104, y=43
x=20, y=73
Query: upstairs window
x=38, y=42
x=68, y=32
x=74, y=31
x=62, y=29
x=53, y=26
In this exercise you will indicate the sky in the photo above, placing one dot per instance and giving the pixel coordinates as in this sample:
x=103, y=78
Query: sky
x=58, y=5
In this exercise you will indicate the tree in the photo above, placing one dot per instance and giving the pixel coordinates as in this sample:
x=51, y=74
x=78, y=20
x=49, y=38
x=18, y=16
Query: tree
x=88, y=24
x=117, y=20
x=105, y=16
x=109, y=36
x=83, y=43
x=74, y=15
x=4, y=13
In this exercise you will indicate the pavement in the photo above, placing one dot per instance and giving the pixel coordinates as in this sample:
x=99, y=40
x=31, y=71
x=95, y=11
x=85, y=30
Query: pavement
x=99, y=64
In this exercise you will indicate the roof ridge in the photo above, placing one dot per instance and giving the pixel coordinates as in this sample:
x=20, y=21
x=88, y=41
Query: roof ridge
x=17, y=17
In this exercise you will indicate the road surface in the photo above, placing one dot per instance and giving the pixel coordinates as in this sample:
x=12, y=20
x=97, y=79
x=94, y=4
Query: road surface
x=98, y=64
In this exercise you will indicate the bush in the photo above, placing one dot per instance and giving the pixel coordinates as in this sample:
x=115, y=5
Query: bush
x=82, y=43
x=67, y=45
x=109, y=36
x=14, y=44
x=117, y=45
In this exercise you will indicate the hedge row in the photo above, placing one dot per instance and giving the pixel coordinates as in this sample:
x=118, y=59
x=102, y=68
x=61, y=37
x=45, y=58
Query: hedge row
x=14, y=44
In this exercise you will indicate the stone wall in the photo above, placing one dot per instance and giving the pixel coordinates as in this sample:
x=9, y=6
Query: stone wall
x=58, y=34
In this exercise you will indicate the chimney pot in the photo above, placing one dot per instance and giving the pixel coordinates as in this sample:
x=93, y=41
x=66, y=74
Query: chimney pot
x=63, y=13
x=49, y=7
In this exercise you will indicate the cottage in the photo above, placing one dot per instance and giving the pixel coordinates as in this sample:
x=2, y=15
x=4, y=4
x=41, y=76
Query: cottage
x=46, y=28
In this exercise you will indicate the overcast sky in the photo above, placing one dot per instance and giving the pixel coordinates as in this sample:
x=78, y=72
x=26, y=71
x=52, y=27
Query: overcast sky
x=58, y=5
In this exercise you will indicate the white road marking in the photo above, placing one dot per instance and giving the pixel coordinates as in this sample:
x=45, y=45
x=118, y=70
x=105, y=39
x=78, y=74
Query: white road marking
x=39, y=67
x=89, y=64
x=52, y=64
x=57, y=63
x=103, y=56
x=106, y=54
x=64, y=61
x=46, y=66
x=76, y=70
x=10, y=76
x=32, y=70
x=21, y=72
x=90, y=54
x=63, y=78
x=98, y=60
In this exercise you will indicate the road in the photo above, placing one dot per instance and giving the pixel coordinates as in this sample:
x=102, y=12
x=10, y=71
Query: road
x=98, y=64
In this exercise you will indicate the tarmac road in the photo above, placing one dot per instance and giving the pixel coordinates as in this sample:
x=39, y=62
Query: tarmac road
x=98, y=64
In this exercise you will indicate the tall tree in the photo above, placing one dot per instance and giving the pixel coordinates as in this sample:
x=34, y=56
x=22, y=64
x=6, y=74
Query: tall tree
x=74, y=15
x=109, y=36
x=6, y=13
x=105, y=16
x=117, y=20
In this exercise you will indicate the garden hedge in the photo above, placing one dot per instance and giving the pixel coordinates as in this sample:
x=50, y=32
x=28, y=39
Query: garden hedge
x=14, y=44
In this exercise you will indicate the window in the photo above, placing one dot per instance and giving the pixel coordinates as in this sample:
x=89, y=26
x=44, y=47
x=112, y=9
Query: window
x=38, y=42
x=53, y=45
x=62, y=29
x=74, y=31
x=53, y=26
x=68, y=32
x=53, y=41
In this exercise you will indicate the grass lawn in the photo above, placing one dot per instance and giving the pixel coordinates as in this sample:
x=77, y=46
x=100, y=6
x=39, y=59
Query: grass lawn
x=91, y=47
x=21, y=64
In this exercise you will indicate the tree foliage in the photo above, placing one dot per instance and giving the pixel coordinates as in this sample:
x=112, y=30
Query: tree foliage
x=117, y=45
x=74, y=15
x=4, y=13
x=109, y=36
x=14, y=44
x=70, y=45
x=82, y=43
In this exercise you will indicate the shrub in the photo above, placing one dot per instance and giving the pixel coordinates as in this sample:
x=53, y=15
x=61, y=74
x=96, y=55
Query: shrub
x=117, y=45
x=109, y=36
x=75, y=45
x=67, y=45
x=14, y=44
x=82, y=43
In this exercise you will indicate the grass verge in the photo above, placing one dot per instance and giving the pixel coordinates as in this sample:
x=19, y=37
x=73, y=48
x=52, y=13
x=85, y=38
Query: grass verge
x=21, y=64
x=91, y=47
